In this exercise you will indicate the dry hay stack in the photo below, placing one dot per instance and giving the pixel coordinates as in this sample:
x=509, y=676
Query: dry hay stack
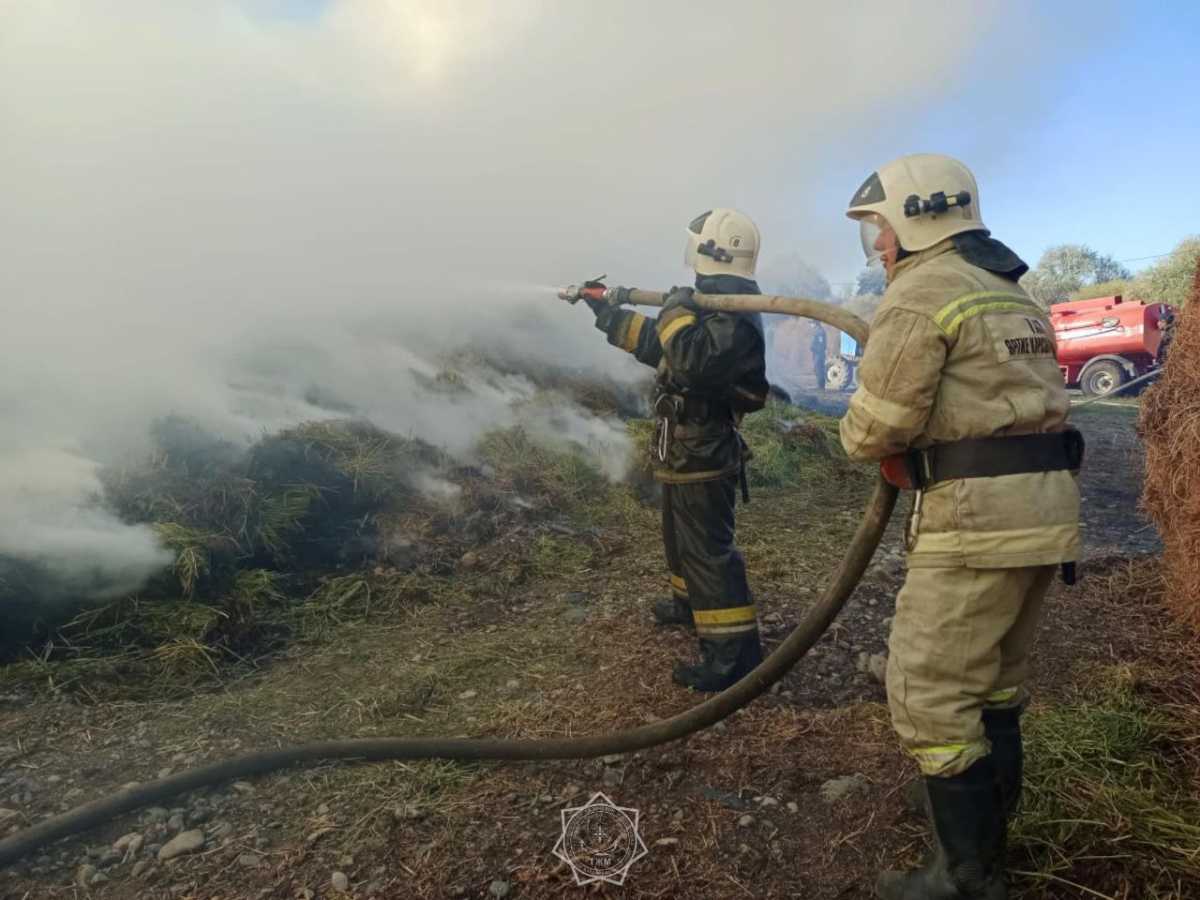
x=1170, y=427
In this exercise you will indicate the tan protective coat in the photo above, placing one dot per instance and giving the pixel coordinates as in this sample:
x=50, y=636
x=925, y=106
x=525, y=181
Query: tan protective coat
x=957, y=352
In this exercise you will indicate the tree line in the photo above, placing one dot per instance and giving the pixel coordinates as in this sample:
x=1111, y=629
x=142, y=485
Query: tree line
x=1077, y=272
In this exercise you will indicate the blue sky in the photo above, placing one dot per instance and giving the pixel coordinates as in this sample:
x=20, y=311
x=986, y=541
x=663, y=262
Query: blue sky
x=1120, y=146
x=1103, y=145
x=1098, y=147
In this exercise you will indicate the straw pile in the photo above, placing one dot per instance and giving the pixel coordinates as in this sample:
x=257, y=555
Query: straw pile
x=1170, y=427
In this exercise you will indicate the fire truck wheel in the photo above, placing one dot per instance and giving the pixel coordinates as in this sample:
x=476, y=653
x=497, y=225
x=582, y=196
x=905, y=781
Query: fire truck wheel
x=837, y=375
x=1102, y=378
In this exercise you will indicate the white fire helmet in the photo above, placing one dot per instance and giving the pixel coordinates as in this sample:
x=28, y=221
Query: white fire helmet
x=925, y=197
x=722, y=242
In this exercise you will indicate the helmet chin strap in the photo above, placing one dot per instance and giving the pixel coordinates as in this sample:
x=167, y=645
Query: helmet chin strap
x=890, y=271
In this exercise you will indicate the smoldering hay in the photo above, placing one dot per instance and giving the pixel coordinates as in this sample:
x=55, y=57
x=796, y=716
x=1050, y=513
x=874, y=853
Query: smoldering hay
x=254, y=212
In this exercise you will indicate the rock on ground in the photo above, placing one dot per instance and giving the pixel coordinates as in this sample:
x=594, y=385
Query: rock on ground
x=183, y=843
x=130, y=843
x=840, y=788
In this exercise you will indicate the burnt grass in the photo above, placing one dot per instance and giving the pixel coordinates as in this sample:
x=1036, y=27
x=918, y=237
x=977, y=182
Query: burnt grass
x=543, y=630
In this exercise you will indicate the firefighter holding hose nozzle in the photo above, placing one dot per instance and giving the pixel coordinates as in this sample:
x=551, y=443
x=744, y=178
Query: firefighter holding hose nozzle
x=961, y=399
x=711, y=372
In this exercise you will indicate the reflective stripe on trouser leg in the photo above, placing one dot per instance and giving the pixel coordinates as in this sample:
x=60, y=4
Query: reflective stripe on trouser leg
x=732, y=620
x=713, y=569
x=671, y=545
x=1005, y=697
x=945, y=657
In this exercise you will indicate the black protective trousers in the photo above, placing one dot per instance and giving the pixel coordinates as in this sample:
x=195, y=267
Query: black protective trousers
x=707, y=571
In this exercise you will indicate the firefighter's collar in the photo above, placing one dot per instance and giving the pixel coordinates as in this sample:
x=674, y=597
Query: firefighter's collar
x=915, y=259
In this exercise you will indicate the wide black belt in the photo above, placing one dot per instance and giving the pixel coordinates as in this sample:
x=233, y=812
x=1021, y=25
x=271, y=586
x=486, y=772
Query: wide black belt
x=991, y=457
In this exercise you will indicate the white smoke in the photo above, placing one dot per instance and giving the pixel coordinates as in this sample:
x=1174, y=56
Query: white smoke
x=49, y=517
x=225, y=209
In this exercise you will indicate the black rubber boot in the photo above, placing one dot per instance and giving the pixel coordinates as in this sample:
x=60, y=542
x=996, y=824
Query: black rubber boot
x=673, y=611
x=916, y=800
x=722, y=663
x=1003, y=729
x=968, y=825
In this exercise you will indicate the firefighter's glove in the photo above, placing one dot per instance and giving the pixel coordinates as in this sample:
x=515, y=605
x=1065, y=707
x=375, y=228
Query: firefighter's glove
x=607, y=315
x=681, y=298
x=899, y=471
x=680, y=311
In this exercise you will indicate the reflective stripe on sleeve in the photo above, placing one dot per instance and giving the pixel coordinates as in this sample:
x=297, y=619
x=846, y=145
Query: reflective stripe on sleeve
x=633, y=332
x=668, y=331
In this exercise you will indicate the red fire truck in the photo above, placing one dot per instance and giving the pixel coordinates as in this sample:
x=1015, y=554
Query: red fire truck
x=1107, y=341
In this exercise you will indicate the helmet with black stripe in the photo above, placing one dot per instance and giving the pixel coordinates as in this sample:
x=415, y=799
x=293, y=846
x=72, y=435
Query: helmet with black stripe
x=925, y=198
x=722, y=242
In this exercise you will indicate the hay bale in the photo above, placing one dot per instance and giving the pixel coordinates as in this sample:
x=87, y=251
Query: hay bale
x=1170, y=426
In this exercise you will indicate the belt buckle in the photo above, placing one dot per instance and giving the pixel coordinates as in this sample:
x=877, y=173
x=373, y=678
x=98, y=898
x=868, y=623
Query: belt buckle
x=920, y=468
x=669, y=406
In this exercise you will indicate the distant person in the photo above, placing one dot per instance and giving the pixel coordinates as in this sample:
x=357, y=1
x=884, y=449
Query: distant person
x=711, y=372
x=1166, y=324
x=961, y=398
x=818, y=354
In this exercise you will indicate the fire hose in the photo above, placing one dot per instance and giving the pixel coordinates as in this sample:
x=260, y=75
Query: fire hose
x=774, y=667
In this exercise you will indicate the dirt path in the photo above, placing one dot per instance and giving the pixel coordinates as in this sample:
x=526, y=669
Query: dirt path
x=797, y=796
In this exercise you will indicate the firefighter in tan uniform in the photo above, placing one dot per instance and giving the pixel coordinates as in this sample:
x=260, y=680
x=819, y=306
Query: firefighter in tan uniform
x=961, y=399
